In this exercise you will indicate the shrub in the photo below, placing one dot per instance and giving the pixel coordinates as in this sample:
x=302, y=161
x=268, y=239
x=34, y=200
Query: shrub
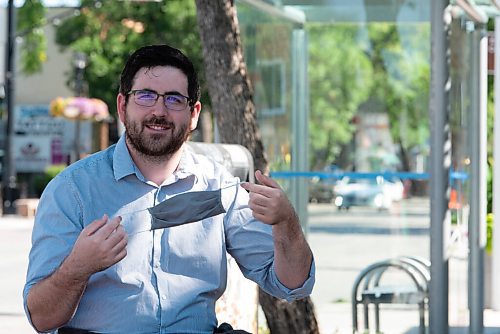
x=41, y=181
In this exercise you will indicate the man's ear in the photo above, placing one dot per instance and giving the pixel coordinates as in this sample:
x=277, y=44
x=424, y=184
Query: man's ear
x=120, y=106
x=195, y=115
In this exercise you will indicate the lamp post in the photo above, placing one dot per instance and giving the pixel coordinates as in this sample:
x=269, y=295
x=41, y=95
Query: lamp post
x=80, y=62
x=10, y=191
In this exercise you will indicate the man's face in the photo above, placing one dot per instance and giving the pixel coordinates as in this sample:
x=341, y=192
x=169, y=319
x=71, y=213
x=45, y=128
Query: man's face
x=157, y=130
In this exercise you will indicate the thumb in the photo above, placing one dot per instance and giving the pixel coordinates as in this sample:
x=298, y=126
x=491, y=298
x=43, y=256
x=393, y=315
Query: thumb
x=266, y=180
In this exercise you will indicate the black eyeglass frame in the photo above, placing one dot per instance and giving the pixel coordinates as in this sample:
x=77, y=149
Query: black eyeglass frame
x=189, y=101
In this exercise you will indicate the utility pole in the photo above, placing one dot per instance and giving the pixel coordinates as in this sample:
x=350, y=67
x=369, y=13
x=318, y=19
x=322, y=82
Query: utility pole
x=80, y=62
x=10, y=191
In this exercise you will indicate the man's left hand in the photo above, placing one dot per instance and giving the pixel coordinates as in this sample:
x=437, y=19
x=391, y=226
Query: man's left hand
x=268, y=201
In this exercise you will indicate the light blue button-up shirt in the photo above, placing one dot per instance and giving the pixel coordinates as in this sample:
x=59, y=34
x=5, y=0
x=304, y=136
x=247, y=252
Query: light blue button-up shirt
x=170, y=279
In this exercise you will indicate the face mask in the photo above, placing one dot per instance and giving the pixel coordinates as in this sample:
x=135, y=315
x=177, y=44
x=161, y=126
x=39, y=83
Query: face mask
x=186, y=208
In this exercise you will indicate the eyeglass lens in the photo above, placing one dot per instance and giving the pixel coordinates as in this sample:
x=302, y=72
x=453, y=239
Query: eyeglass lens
x=148, y=98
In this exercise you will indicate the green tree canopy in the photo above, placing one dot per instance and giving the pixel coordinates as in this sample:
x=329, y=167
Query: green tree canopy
x=340, y=77
x=30, y=22
x=401, y=74
x=383, y=67
x=107, y=31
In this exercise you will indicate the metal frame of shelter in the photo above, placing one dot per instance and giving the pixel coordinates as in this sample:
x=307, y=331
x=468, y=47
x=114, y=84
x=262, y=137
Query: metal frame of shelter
x=476, y=14
x=440, y=14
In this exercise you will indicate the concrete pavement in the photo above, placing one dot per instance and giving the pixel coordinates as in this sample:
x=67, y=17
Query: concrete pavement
x=344, y=243
x=15, y=242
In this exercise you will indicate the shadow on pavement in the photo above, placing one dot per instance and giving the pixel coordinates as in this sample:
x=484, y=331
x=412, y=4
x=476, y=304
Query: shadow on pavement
x=350, y=229
x=459, y=330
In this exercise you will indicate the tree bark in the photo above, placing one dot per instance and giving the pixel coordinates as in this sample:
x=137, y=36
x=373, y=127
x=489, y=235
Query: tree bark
x=227, y=77
x=232, y=102
x=297, y=317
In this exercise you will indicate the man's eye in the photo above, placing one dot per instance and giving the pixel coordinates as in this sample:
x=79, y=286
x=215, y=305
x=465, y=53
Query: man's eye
x=175, y=99
x=146, y=95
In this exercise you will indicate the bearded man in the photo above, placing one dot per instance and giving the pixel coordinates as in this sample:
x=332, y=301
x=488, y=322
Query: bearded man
x=105, y=259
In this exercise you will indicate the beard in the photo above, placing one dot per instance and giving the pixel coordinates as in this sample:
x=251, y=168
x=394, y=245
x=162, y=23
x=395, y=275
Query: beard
x=155, y=146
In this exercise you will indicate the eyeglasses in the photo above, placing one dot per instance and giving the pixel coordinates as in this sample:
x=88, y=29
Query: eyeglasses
x=148, y=98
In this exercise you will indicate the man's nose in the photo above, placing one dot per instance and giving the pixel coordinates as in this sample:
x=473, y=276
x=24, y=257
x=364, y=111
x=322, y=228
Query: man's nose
x=160, y=107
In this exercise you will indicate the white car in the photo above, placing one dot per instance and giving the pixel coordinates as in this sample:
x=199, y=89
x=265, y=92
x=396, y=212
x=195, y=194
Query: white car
x=375, y=192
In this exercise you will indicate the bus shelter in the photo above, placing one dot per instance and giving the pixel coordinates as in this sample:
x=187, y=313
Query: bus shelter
x=354, y=91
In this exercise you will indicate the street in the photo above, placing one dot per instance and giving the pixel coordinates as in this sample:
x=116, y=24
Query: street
x=345, y=242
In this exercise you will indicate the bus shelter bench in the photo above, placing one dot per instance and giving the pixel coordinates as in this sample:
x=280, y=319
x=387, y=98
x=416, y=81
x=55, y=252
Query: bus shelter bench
x=372, y=287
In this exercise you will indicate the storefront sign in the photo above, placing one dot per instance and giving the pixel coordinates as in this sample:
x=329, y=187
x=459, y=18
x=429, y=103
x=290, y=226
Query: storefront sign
x=32, y=153
x=41, y=140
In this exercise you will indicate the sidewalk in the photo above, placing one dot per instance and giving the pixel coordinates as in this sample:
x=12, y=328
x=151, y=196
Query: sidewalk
x=15, y=234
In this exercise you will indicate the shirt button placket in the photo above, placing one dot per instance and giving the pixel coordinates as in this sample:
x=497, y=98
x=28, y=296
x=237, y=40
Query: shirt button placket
x=157, y=268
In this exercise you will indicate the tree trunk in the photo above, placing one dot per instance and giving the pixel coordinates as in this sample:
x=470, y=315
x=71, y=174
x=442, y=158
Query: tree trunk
x=232, y=103
x=227, y=77
x=297, y=317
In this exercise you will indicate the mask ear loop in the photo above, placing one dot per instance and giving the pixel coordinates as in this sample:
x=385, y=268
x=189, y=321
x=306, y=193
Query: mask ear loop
x=234, y=184
x=148, y=230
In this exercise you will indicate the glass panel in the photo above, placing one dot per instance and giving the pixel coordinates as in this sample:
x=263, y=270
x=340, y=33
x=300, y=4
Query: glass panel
x=362, y=11
x=461, y=46
x=369, y=135
x=267, y=50
x=368, y=80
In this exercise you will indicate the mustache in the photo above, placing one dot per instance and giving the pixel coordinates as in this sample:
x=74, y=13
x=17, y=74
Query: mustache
x=159, y=121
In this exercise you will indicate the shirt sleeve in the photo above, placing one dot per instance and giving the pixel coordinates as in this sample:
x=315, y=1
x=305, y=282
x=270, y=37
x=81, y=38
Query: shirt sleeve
x=57, y=225
x=250, y=243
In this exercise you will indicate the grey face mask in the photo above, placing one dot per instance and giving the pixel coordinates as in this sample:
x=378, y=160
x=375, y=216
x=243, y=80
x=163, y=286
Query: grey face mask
x=186, y=208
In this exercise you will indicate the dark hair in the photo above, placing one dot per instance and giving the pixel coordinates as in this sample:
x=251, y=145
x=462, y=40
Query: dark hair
x=159, y=55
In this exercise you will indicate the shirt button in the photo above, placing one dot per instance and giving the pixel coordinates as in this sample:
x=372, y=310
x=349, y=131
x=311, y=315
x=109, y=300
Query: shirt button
x=163, y=297
x=157, y=265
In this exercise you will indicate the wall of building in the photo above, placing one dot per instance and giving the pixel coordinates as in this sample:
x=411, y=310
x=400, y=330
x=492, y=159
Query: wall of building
x=42, y=87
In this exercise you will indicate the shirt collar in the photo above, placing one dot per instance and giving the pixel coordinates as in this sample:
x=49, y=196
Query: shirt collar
x=187, y=165
x=123, y=165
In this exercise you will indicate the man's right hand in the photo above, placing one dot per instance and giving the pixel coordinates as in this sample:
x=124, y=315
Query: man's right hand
x=53, y=301
x=100, y=245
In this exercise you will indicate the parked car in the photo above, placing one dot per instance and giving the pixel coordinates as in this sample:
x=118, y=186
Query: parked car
x=320, y=191
x=375, y=192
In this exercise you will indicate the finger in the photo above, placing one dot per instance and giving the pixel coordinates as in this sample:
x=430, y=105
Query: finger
x=261, y=200
x=257, y=209
x=251, y=187
x=266, y=180
x=120, y=256
x=262, y=218
x=258, y=189
x=109, y=227
x=95, y=225
x=118, y=234
x=120, y=246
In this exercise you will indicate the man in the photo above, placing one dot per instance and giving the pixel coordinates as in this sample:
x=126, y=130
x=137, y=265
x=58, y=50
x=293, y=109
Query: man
x=89, y=272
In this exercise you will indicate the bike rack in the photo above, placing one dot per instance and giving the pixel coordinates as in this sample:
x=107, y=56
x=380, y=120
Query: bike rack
x=369, y=289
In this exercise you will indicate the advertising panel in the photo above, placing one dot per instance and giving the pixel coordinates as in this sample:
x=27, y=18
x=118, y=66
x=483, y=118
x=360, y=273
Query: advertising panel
x=32, y=154
x=41, y=140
